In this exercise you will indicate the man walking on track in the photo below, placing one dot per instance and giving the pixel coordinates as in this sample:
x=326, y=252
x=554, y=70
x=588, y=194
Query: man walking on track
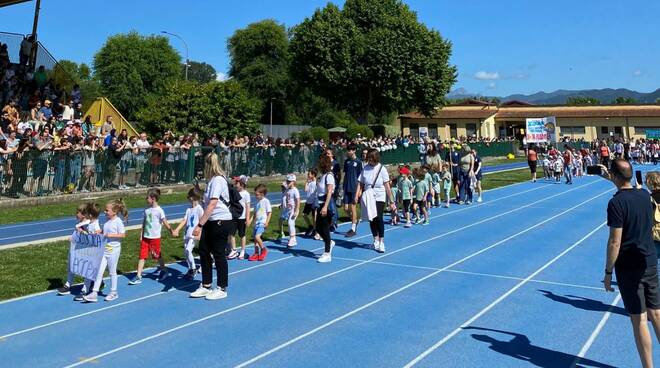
x=632, y=255
x=352, y=171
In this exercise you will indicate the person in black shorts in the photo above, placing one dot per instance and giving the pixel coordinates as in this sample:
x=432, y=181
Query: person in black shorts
x=631, y=254
x=352, y=171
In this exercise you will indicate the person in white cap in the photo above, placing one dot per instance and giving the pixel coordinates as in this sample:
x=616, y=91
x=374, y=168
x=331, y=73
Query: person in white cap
x=291, y=208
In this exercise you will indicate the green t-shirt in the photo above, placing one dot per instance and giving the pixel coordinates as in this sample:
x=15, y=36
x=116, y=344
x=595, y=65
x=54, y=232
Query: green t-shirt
x=405, y=185
x=421, y=188
x=429, y=179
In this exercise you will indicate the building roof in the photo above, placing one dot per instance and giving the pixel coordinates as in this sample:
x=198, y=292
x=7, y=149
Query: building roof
x=455, y=113
x=603, y=111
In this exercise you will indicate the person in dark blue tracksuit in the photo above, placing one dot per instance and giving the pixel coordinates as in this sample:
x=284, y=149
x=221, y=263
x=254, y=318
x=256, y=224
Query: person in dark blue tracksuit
x=352, y=171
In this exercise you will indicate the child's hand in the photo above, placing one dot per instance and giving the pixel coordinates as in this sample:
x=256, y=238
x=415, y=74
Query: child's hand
x=175, y=233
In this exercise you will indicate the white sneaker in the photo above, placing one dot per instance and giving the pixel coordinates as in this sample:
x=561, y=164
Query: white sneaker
x=324, y=258
x=479, y=200
x=317, y=236
x=381, y=247
x=216, y=294
x=376, y=245
x=332, y=245
x=408, y=224
x=200, y=292
x=112, y=296
x=292, y=242
x=91, y=297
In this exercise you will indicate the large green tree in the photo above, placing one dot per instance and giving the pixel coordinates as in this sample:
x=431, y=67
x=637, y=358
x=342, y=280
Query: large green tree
x=200, y=72
x=68, y=73
x=131, y=67
x=215, y=107
x=372, y=58
x=625, y=101
x=582, y=101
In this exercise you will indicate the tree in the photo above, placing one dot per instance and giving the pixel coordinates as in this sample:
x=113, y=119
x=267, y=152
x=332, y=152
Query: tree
x=200, y=72
x=625, y=101
x=259, y=61
x=372, y=57
x=67, y=73
x=131, y=68
x=189, y=107
x=582, y=100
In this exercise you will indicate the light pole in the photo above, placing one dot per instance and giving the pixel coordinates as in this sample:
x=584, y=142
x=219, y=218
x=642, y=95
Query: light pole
x=184, y=44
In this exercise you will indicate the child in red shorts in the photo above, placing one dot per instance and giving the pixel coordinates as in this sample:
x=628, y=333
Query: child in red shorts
x=152, y=224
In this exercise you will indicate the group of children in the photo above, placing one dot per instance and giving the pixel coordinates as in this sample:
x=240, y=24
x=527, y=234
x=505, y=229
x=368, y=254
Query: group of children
x=555, y=164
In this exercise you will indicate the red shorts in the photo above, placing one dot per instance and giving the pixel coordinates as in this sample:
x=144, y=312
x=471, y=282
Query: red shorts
x=150, y=246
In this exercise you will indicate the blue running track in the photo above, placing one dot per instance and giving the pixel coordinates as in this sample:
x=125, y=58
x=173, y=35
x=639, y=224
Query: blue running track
x=512, y=282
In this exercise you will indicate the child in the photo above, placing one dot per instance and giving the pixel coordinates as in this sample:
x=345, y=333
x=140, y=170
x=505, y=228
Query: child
x=241, y=225
x=436, y=180
x=114, y=231
x=558, y=166
x=152, y=223
x=292, y=210
x=394, y=216
x=190, y=221
x=421, y=193
x=446, y=182
x=312, y=202
x=262, y=213
x=405, y=192
x=81, y=226
x=429, y=183
x=547, y=170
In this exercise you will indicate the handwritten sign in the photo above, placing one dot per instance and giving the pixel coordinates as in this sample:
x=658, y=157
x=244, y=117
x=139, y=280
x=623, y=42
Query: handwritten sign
x=86, y=254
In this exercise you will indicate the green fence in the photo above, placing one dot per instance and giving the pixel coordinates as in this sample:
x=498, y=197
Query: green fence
x=36, y=173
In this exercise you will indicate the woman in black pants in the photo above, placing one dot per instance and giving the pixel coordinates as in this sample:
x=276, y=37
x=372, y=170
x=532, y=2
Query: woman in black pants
x=375, y=181
x=215, y=226
x=324, y=190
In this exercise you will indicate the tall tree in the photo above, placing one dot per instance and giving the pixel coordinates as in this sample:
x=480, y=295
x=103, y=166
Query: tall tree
x=259, y=61
x=200, y=72
x=372, y=58
x=582, y=100
x=189, y=107
x=625, y=101
x=131, y=67
x=67, y=73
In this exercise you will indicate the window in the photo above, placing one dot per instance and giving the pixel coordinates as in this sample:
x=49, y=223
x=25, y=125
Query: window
x=433, y=130
x=453, y=131
x=604, y=130
x=572, y=130
x=414, y=130
x=618, y=130
x=470, y=130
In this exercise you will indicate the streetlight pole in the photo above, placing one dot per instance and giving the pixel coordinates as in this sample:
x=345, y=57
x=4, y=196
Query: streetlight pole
x=184, y=44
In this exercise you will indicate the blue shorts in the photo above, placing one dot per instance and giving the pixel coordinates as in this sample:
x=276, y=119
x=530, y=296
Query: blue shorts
x=349, y=198
x=258, y=229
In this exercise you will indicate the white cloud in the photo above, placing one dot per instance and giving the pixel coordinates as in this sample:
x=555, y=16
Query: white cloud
x=483, y=75
x=221, y=77
x=491, y=85
x=637, y=73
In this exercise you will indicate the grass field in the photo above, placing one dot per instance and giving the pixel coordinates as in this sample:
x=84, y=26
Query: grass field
x=37, y=268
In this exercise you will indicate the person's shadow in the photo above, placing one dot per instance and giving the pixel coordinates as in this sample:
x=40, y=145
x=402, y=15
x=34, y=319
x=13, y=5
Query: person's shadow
x=521, y=348
x=296, y=252
x=584, y=303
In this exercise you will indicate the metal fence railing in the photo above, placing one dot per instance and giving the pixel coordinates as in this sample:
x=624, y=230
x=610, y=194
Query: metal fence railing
x=36, y=173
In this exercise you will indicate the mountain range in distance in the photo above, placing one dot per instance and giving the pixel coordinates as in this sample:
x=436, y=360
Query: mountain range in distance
x=559, y=97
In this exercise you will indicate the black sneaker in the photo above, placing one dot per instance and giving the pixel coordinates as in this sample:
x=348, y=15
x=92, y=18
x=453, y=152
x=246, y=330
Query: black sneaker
x=350, y=233
x=65, y=290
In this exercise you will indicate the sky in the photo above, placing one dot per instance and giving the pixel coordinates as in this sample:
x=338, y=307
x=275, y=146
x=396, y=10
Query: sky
x=499, y=47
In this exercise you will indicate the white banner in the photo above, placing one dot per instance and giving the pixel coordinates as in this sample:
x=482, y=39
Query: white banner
x=540, y=130
x=86, y=254
x=423, y=132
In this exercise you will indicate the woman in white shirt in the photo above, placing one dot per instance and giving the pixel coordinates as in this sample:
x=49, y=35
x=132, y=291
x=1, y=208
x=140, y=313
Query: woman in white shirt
x=325, y=210
x=215, y=227
x=374, y=176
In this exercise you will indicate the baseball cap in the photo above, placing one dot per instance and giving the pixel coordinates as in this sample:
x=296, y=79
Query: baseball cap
x=404, y=171
x=291, y=177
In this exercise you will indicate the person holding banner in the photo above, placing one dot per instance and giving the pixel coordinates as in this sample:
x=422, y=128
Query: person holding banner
x=532, y=161
x=82, y=225
x=113, y=231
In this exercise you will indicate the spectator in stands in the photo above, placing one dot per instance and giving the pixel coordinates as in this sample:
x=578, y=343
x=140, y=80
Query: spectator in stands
x=107, y=126
x=67, y=112
x=26, y=49
x=40, y=77
x=46, y=110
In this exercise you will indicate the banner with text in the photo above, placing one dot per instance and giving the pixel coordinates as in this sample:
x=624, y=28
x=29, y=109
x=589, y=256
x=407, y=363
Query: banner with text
x=86, y=254
x=541, y=130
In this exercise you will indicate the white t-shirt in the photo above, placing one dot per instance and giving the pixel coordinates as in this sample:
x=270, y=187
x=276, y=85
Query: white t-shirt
x=142, y=145
x=67, y=114
x=261, y=211
x=193, y=215
x=245, y=201
x=292, y=195
x=326, y=179
x=216, y=188
x=93, y=227
x=152, y=222
x=367, y=178
x=114, y=226
x=310, y=191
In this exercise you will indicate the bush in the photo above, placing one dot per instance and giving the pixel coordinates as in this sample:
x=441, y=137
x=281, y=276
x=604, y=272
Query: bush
x=353, y=130
x=318, y=133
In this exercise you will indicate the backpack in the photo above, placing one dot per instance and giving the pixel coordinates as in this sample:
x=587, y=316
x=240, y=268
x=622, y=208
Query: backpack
x=656, y=220
x=234, y=205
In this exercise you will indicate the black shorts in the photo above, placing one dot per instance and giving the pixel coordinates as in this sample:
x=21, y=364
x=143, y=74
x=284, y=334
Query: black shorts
x=639, y=289
x=349, y=198
x=406, y=205
x=309, y=209
x=240, y=227
x=532, y=166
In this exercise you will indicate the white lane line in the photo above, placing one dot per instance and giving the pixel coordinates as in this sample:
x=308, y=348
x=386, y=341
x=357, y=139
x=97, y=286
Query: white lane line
x=490, y=275
x=405, y=287
x=597, y=330
x=342, y=224
x=320, y=277
x=467, y=323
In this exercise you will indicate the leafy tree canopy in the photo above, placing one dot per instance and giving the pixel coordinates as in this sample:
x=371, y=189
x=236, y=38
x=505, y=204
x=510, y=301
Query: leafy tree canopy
x=582, y=100
x=625, y=101
x=372, y=57
x=200, y=72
